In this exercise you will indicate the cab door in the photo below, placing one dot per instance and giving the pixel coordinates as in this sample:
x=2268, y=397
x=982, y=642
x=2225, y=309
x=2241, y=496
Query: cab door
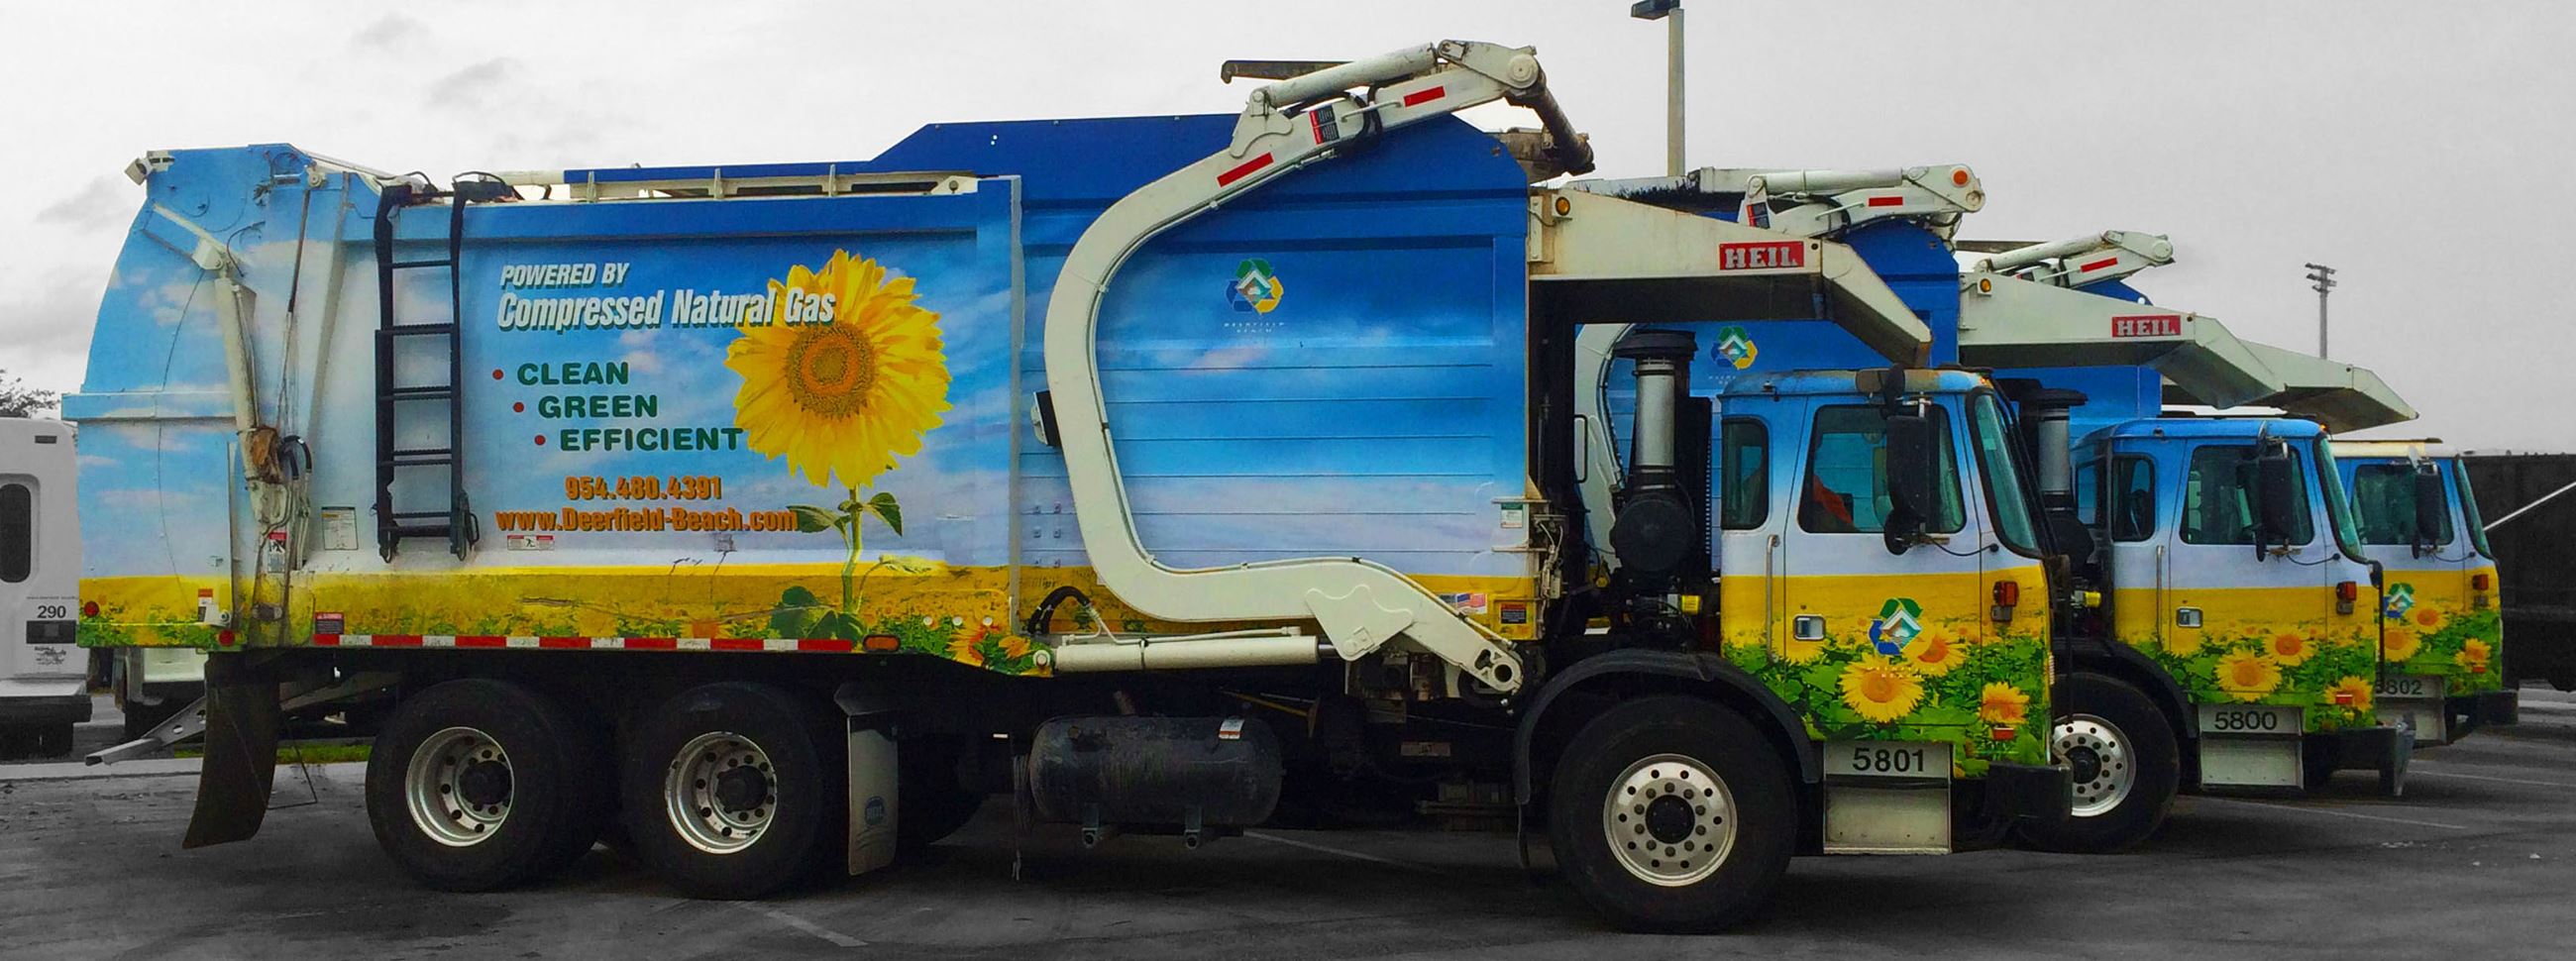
x=2243, y=626
x=1873, y=635
x=2409, y=522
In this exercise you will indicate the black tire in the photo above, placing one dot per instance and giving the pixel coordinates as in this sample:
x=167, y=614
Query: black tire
x=555, y=785
x=2109, y=710
x=934, y=801
x=802, y=793
x=1718, y=741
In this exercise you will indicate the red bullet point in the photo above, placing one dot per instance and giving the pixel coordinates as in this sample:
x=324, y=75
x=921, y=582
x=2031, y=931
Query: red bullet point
x=496, y=373
x=518, y=408
x=541, y=440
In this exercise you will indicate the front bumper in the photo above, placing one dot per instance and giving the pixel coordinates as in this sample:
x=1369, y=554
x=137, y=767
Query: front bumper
x=2030, y=792
x=2381, y=749
x=2470, y=712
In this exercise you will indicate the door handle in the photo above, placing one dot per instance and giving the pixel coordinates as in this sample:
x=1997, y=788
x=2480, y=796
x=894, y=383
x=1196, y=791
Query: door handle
x=2186, y=617
x=1807, y=627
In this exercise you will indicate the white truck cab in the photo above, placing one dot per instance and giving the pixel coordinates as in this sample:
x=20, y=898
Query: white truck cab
x=43, y=672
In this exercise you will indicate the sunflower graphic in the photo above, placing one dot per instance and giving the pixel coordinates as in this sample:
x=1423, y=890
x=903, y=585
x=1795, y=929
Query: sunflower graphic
x=1801, y=651
x=2247, y=677
x=1880, y=690
x=844, y=397
x=2473, y=655
x=2290, y=650
x=1937, y=655
x=2002, y=703
x=2401, y=645
x=2182, y=642
x=2430, y=618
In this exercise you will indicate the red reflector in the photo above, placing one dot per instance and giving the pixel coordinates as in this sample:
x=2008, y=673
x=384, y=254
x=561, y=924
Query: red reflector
x=828, y=645
x=2099, y=264
x=563, y=643
x=1424, y=96
x=1242, y=170
x=2347, y=590
x=652, y=643
x=2343, y=697
x=482, y=640
x=2476, y=582
x=89, y=609
x=224, y=638
x=2007, y=593
x=1886, y=201
x=2003, y=733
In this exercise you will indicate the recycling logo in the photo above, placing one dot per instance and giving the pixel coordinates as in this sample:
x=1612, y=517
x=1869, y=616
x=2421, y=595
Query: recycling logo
x=1255, y=288
x=1899, y=620
x=2401, y=598
x=1734, y=346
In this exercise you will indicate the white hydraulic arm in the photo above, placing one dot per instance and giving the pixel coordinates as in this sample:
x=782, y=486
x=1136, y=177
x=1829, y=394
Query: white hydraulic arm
x=1818, y=203
x=2090, y=259
x=1361, y=605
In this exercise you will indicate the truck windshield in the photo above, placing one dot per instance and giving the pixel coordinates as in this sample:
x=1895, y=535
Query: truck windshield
x=2383, y=500
x=2469, y=509
x=2338, y=506
x=2005, y=494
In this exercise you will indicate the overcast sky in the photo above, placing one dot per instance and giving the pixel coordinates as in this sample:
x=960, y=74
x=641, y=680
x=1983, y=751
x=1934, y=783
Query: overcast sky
x=2416, y=147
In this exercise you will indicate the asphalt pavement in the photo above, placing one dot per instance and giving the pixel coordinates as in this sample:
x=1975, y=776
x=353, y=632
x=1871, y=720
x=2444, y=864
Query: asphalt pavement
x=2476, y=861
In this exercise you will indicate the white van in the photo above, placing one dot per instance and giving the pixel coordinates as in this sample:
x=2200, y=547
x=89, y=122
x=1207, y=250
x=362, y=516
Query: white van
x=44, y=675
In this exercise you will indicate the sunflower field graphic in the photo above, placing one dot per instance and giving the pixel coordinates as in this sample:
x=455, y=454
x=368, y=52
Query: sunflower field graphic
x=2424, y=637
x=1912, y=675
x=842, y=400
x=2331, y=673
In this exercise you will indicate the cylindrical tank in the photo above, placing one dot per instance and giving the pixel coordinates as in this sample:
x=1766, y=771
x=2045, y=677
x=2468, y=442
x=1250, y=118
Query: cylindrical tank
x=1144, y=772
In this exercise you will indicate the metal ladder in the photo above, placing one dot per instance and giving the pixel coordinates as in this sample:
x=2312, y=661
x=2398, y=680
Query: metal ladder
x=457, y=522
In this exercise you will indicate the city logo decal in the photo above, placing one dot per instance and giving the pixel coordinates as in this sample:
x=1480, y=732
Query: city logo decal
x=1255, y=288
x=2401, y=599
x=1734, y=346
x=1899, y=620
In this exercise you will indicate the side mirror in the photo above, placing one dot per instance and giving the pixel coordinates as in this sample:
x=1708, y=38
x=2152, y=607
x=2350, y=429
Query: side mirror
x=1911, y=466
x=2277, y=492
x=2432, y=508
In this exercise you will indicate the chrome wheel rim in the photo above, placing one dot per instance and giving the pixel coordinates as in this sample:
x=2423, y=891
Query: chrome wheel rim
x=1670, y=820
x=2104, y=766
x=458, y=786
x=721, y=792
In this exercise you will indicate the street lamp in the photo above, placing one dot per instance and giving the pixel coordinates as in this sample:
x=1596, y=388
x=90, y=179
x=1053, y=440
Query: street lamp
x=2321, y=277
x=1669, y=11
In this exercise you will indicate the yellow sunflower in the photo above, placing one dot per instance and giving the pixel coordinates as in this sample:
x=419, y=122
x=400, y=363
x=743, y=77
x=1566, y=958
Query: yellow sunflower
x=2247, y=677
x=2003, y=703
x=2474, y=655
x=2290, y=650
x=1937, y=655
x=2430, y=618
x=2401, y=645
x=2352, y=693
x=849, y=393
x=966, y=646
x=1880, y=690
x=2182, y=642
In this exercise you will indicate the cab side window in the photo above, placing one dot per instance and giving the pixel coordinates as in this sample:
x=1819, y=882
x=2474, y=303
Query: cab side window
x=2383, y=496
x=1744, y=474
x=2133, y=499
x=2218, y=499
x=1845, y=489
x=17, y=532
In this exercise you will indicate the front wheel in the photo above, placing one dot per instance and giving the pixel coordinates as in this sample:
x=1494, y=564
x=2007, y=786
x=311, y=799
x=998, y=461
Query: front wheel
x=1672, y=814
x=2124, y=764
x=477, y=784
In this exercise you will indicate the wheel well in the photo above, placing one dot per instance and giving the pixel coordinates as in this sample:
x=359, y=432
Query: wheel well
x=1577, y=705
x=2157, y=688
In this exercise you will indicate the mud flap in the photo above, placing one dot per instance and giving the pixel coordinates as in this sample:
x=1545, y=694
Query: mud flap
x=241, y=752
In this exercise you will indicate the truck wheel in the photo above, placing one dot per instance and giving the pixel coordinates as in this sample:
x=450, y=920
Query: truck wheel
x=935, y=802
x=480, y=784
x=735, y=790
x=2125, y=767
x=1671, y=814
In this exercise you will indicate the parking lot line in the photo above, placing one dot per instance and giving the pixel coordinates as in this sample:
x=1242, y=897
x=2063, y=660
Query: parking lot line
x=1344, y=852
x=2484, y=777
x=801, y=924
x=2334, y=811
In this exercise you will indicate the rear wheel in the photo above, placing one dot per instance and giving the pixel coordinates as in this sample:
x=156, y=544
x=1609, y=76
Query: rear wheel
x=2125, y=767
x=478, y=784
x=735, y=790
x=1671, y=814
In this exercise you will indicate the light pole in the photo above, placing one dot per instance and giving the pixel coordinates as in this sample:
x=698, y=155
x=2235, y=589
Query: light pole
x=2321, y=277
x=1670, y=12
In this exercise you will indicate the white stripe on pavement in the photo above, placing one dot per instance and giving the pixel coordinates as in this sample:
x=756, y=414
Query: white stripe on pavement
x=800, y=924
x=1344, y=852
x=2338, y=812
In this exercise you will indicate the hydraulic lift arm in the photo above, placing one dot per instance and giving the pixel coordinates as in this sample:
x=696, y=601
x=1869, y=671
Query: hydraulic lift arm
x=1360, y=604
x=2090, y=259
x=1813, y=203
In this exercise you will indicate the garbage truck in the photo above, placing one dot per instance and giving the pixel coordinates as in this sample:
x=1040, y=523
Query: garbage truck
x=44, y=677
x=1143, y=472
x=2418, y=519
x=2189, y=663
